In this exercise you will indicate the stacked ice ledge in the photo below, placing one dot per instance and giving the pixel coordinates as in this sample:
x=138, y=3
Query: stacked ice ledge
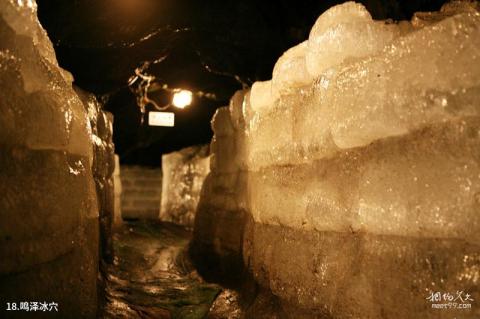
x=48, y=206
x=101, y=123
x=360, y=160
x=183, y=173
x=222, y=208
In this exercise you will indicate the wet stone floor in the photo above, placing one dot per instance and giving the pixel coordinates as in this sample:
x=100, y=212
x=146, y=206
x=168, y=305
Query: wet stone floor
x=152, y=277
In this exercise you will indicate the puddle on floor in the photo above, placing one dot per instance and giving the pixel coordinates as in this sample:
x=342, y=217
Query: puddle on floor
x=152, y=277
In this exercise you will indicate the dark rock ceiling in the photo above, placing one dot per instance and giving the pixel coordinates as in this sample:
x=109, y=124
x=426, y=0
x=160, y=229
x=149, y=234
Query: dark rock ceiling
x=214, y=46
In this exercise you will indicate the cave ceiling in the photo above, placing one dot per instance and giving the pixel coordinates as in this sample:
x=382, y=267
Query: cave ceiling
x=212, y=48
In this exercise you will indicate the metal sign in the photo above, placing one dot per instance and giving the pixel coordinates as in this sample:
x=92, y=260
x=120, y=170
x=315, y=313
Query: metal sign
x=161, y=119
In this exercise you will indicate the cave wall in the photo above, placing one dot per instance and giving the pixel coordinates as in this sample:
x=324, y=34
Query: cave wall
x=348, y=185
x=49, y=229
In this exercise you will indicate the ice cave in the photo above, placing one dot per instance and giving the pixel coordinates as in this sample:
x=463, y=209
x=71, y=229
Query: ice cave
x=240, y=159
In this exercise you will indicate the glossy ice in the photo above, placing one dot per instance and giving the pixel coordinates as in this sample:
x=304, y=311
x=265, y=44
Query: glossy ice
x=360, y=183
x=48, y=208
x=183, y=174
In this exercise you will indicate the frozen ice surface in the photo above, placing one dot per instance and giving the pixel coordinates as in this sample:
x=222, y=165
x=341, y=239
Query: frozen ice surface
x=345, y=32
x=49, y=229
x=238, y=139
x=223, y=161
x=222, y=123
x=407, y=187
x=117, y=190
x=270, y=134
x=261, y=97
x=26, y=55
x=313, y=112
x=183, y=175
x=290, y=71
x=427, y=185
x=236, y=110
x=220, y=214
x=389, y=94
x=360, y=275
x=357, y=187
x=422, y=19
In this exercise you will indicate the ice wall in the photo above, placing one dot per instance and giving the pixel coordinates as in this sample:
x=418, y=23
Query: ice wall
x=360, y=169
x=221, y=211
x=183, y=175
x=101, y=123
x=48, y=209
x=141, y=191
x=117, y=190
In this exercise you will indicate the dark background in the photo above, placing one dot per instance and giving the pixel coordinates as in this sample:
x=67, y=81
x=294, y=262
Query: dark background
x=214, y=46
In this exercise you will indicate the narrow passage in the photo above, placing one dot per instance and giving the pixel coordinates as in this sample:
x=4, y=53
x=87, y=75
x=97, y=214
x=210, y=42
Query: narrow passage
x=152, y=277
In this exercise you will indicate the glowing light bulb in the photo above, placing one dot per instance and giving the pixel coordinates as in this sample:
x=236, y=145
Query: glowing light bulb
x=182, y=98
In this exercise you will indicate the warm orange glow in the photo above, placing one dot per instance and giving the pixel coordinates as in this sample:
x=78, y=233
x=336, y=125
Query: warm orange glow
x=182, y=99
